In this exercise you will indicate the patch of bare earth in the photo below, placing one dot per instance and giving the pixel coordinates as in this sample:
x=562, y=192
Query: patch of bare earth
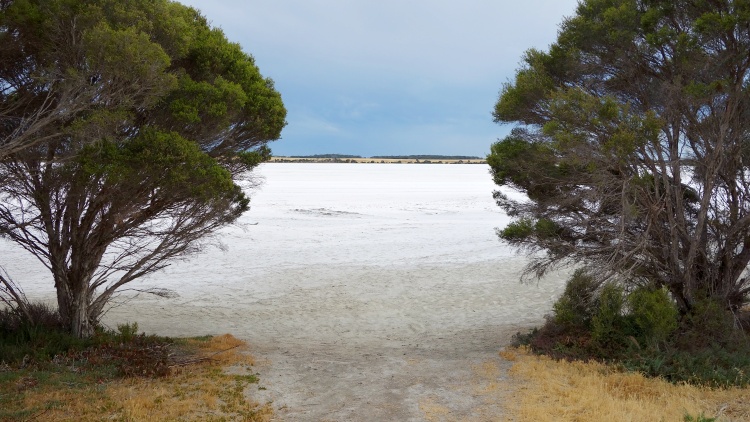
x=455, y=377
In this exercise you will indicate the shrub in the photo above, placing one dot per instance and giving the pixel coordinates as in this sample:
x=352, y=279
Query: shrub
x=708, y=323
x=39, y=315
x=127, y=332
x=39, y=336
x=699, y=418
x=610, y=329
x=643, y=331
x=576, y=306
x=654, y=315
x=713, y=366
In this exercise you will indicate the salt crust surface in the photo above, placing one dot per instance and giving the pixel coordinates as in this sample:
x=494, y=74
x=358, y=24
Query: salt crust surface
x=368, y=291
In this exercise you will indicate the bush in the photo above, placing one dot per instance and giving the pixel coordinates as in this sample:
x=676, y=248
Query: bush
x=611, y=330
x=643, y=331
x=40, y=336
x=709, y=323
x=43, y=337
x=127, y=332
x=654, y=315
x=576, y=306
x=40, y=315
x=712, y=366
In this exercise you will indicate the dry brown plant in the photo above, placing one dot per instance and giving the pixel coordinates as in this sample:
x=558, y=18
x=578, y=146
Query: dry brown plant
x=204, y=390
x=575, y=391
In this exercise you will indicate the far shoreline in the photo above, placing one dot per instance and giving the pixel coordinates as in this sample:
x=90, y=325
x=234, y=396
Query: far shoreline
x=365, y=160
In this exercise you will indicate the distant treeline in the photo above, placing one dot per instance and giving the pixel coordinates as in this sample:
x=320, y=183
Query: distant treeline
x=394, y=157
x=427, y=157
x=326, y=156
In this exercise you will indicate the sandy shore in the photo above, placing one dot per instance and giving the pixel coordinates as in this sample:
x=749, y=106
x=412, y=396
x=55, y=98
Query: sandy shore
x=366, y=160
x=371, y=344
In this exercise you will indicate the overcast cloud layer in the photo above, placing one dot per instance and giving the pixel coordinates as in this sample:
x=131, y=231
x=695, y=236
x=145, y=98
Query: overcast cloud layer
x=388, y=77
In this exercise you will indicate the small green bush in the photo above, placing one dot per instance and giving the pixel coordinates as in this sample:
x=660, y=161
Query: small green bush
x=643, y=331
x=40, y=336
x=709, y=323
x=127, y=352
x=609, y=327
x=576, y=306
x=699, y=418
x=127, y=332
x=654, y=315
x=711, y=366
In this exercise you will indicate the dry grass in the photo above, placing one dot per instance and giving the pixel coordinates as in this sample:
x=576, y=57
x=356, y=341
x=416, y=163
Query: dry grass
x=575, y=391
x=478, y=398
x=200, y=391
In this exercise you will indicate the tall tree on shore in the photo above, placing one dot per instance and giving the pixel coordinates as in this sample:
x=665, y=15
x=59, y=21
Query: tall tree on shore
x=139, y=168
x=633, y=146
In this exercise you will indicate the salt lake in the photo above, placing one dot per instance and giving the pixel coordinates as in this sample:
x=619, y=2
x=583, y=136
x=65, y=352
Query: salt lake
x=365, y=289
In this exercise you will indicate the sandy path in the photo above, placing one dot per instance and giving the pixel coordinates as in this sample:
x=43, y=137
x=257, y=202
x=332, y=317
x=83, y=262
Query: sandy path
x=364, y=344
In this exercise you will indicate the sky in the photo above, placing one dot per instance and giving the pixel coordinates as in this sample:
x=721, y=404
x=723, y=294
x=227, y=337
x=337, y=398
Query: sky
x=388, y=77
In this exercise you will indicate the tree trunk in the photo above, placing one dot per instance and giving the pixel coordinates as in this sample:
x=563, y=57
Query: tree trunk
x=74, y=306
x=80, y=321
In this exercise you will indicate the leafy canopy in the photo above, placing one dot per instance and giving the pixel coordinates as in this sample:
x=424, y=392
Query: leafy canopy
x=631, y=143
x=125, y=127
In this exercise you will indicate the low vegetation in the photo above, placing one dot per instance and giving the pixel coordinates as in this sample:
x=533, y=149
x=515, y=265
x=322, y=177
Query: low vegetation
x=48, y=374
x=641, y=330
x=429, y=157
x=574, y=390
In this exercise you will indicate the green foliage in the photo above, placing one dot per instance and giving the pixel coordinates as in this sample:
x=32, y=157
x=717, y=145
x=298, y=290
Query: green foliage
x=41, y=338
x=148, y=115
x=518, y=230
x=654, y=315
x=523, y=229
x=128, y=53
x=253, y=158
x=533, y=83
x=699, y=418
x=712, y=366
x=609, y=327
x=578, y=113
x=516, y=162
x=708, y=324
x=577, y=305
x=544, y=228
x=127, y=332
x=642, y=331
x=128, y=353
x=156, y=160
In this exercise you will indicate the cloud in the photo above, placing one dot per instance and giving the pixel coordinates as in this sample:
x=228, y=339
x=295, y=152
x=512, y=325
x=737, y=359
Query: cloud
x=316, y=126
x=430, y=38
x=383, y=75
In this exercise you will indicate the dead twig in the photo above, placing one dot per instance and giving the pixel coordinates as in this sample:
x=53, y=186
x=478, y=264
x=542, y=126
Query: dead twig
x=36, y=415
x=192, y=361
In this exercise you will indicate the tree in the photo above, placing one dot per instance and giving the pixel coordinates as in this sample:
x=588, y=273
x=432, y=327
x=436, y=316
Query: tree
x=56, y=72
x=125, y=186
x=633, y=147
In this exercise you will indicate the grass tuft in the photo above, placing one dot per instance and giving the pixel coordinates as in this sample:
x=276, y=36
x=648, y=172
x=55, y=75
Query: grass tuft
x=555, y=390
x=127, y=376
